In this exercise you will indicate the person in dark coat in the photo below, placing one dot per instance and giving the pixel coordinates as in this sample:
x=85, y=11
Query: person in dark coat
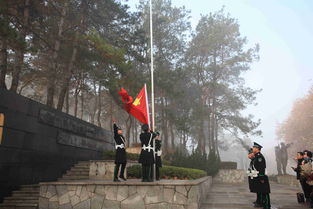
x=261, y=183
x=120, y=153
x=307, y=161
x=299, y=159
x=146, y=157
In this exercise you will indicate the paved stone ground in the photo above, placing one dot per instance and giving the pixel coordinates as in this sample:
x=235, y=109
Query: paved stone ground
x=237, y=196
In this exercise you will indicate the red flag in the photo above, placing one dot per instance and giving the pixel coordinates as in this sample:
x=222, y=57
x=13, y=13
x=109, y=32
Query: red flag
x=138, y=108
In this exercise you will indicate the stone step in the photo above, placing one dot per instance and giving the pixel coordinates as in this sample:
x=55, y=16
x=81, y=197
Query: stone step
x=18, y=201
x=71, y=178
x=75, y=172
x=19, y=206
x=83, y=163
x=29, y=189
x=79, y=169
x=25, y=193
x=75, y=176
x=81, y=166
x=30, y=185
x=22, y=198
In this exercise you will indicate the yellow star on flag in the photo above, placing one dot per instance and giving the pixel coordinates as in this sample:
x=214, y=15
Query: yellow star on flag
x=137, y=101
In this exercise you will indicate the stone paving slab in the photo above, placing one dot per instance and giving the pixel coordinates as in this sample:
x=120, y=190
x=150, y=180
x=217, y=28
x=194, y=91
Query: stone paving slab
x=237, y=196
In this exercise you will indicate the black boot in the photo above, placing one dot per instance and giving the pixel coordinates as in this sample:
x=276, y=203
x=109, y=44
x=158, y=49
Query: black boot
x=144, y=173
x=116, y=169
x=122, y=172
x=149, y=173
x=157, y=173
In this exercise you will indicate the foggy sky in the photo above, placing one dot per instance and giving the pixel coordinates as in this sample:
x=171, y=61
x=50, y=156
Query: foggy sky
x=284, y=30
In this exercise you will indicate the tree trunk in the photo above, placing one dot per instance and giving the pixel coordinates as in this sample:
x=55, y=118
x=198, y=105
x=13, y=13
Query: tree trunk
x=82, y=105
x=55, y=55
x=19, y=60
x=209, y=132
x=111, y=114
x=75, y=104
x=216, y=137
x=99, y=106
x=93, y=113
x=172, y=136
x=128, y=127
x=66, y=82
x=19, y=54
x=164, y=126
x=67, y=101
x=3, y=63
x=69, y=73
x=136, y=133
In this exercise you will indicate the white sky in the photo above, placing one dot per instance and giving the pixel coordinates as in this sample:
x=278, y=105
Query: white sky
x=284, y=30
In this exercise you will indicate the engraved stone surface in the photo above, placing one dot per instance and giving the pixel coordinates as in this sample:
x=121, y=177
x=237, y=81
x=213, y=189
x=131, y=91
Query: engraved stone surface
x=133, y=194
x=72, y=125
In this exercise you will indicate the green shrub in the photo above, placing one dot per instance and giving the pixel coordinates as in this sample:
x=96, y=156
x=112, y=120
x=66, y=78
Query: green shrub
x=209, y=163
x=166, y=162
x=213, y=164
x=110, y=155
x=169, y=172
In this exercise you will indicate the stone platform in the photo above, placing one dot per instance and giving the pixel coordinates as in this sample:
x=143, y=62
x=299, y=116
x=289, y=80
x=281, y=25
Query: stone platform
x=230, y=176
x=132, y=194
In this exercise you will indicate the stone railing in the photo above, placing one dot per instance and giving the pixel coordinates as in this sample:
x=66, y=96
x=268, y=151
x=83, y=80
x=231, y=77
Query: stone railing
x=230, y=176
x=95, y=194
x=288, y=180
x=104, y=169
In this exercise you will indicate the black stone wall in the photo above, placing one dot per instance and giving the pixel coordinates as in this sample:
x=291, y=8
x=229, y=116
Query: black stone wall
x=39, y=143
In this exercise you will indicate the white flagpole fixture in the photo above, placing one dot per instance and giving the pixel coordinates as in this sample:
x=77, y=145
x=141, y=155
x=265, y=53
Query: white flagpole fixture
x=152, y=88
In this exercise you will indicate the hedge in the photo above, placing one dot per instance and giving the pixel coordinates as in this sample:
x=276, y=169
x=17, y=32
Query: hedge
x=110, y=155
x=169, y=172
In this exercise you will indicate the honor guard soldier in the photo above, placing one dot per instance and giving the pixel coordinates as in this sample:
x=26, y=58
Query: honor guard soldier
x=158, y=153
x=146, y=157
x=261, y=183
x=120, y=153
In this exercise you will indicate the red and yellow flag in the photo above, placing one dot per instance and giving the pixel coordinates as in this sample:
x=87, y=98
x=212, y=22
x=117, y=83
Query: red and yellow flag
x=138, y=108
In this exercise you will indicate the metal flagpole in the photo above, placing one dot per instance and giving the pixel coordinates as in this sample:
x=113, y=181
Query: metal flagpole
x=152, y=85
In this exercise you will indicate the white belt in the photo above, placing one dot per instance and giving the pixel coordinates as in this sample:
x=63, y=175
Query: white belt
x=147, y=148
x=159, y=153
x=252, y=173
x=120, y=146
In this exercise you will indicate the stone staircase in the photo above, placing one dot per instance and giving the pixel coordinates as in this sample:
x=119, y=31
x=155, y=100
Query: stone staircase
x=80, y=171
x=27, y=197
x=237, y=196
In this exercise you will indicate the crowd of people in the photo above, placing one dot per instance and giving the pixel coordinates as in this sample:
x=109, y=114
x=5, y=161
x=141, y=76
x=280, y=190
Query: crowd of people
x=305, y=176
x=259, y=183
x=150, y=154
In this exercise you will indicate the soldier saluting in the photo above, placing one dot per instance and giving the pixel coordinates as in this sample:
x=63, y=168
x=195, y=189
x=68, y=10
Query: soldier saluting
x=120, y=153
x=261, y=183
